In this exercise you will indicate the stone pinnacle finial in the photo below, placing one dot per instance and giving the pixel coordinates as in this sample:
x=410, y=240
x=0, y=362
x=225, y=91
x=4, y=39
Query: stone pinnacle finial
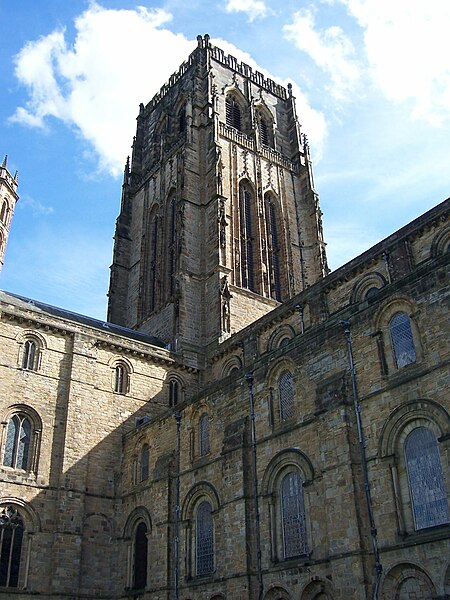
x=5, y=160
x=199, y=41
x=16, y=176
x=206, y=38
x=289, y=87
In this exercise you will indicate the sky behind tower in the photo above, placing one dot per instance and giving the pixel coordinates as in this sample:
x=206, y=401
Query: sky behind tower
x=371, y=77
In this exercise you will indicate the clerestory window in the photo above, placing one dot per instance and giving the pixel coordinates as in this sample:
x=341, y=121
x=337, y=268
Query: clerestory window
x=286, y=395
x=426, y=479
x=204, y=539
x=293, y=518
x=402, y=340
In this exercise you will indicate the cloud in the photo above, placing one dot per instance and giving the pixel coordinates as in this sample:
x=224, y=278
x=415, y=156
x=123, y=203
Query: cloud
x=253, y=8
x=118, y=59
x=407, y=47
x=329, y=48
x=36, y=207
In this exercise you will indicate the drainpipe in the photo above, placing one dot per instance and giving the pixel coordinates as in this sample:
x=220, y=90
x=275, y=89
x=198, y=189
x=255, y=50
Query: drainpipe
x=362, y=445
x=177, y=508
x=249, y=379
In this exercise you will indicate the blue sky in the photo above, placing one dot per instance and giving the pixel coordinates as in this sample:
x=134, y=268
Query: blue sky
x=372, y=80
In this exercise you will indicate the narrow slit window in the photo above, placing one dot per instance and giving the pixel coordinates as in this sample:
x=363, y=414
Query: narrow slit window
x=121, y=379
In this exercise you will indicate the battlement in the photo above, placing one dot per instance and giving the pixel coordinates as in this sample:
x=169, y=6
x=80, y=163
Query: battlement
x=227, y=60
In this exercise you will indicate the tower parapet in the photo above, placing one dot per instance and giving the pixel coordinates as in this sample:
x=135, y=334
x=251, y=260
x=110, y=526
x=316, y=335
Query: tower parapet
x=8, y=199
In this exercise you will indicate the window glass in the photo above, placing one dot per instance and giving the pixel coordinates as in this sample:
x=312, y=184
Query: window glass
x=426, y=480
x=204, y=545
x=18, y=439
x=30, y=355
x=402, y=340
x=293, y=516
x=286, y=395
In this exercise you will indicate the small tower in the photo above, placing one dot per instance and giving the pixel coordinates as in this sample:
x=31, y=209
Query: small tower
x=219, y=219
x=8, y=199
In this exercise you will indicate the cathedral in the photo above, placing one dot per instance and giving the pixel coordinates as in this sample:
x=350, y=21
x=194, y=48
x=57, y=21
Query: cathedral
x=246, y=425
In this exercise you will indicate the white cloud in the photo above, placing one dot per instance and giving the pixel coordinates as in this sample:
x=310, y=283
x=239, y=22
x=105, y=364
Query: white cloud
x=407, y=47
x=330, y=49
x=119, y=58
x=253, y=8
x=35, y=206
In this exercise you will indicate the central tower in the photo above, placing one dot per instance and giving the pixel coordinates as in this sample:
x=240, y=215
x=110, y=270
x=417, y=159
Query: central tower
x=219, y=220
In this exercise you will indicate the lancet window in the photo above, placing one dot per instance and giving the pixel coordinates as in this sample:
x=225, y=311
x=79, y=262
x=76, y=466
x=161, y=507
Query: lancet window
x=273, y=248
x=247, y=226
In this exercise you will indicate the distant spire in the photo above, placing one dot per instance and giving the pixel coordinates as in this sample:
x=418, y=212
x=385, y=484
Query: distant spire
x=16, y=176
x=5, y=160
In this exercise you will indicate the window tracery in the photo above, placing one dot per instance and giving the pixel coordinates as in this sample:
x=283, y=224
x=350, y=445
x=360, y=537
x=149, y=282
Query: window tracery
x=30, y=355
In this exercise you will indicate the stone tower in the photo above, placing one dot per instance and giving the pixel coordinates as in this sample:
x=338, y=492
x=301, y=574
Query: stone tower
x=8, y=199
x=219, y=219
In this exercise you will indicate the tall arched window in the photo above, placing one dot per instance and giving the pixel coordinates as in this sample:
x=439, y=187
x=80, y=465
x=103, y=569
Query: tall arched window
x=204, y=539
x=145, y=461
x=246, y=229
x=30, y=355
x=203, y=435
x=233, y=113
x=140, y=557
x=426, y=480
x=273, y=248
x=18, y=441
x=286, y=394
x=11, y=537
x=121, y=378
x=152, y=261
x=171, y=245
x=402, y=340
x=293, y=518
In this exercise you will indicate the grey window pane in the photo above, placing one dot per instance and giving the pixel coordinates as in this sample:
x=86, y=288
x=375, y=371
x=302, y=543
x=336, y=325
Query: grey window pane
x=426, y=480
